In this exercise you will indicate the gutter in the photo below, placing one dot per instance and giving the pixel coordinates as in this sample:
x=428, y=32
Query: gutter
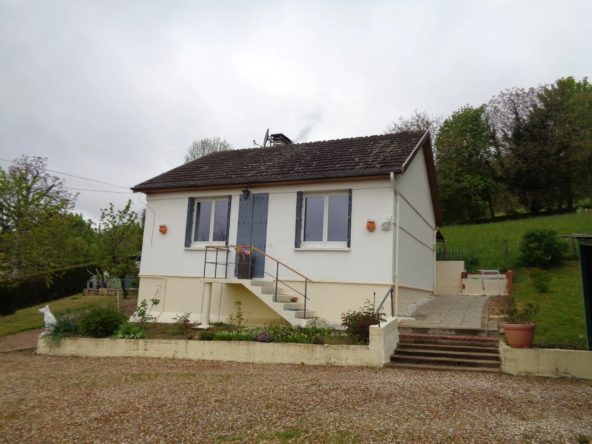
x=397, y=200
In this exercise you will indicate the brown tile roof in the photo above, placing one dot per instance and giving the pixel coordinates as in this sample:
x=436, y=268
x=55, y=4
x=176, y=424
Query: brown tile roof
x=358, y=156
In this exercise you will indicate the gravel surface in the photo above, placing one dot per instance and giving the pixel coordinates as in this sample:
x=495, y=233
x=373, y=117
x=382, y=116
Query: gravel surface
x=18, y=341
x=53, y=399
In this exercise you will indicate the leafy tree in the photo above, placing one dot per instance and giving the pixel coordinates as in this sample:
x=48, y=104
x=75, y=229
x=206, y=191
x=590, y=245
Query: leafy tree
x=34, y=218
x=120, y=239
x=465, y=165
x=203, y=147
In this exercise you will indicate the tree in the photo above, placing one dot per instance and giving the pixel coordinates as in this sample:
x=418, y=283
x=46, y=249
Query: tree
x=120, y=240
x=465, y=165
x=34, y=219
x=419, y=121
x=203, y=147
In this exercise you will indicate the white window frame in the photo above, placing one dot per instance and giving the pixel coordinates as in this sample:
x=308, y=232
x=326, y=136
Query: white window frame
x=324, y=244
x=195, y=223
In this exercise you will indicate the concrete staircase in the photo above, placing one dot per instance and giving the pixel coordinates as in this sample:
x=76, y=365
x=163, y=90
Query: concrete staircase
x=438, y=352
x=293, y=312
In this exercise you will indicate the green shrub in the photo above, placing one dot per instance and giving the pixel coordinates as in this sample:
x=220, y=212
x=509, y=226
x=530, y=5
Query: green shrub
x=540, y=279
x=64, y=326
x=472, y=264
x=357, y=323
x=28, y=290
x=514, y=314
x=207, y=336
x=542, y=248
x=101, y=322
x=129, y=331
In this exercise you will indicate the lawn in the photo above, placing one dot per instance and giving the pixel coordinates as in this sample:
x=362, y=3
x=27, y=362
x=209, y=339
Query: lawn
x=560, y=322
x=29, y=318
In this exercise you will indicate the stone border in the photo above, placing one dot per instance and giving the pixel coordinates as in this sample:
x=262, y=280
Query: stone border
x=383, y=341
x=546, y=362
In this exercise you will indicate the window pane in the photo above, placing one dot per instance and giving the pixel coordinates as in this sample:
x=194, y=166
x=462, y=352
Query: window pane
x=220, y=220
x=338, y=209
x=203, y=216
x=313, y=219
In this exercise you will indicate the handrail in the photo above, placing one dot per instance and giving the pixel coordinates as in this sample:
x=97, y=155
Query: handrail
x=226, y=247
x=278, y=263
x=389, y=292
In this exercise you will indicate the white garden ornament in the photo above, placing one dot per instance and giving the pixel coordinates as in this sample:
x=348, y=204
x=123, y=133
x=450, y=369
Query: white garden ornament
x=48, y=318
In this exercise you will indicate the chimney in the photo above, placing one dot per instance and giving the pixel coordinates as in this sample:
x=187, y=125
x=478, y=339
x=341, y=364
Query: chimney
x=280, y=139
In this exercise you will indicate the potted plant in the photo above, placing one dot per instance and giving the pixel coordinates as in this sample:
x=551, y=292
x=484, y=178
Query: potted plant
x=246, y=260
x=519, y=329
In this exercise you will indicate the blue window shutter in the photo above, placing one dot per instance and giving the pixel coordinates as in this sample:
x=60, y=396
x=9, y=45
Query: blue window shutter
x=189, y=223
x=349, y=210
x=228, y=219
x=297, y=239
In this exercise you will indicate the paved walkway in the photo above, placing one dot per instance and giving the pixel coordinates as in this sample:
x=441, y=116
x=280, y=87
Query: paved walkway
x=451, y=312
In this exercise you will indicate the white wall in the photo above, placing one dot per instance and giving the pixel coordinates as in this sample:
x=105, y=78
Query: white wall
x=368, y=260
x=417, y=221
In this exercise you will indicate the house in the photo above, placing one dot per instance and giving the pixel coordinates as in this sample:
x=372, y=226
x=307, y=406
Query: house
x=307, y=209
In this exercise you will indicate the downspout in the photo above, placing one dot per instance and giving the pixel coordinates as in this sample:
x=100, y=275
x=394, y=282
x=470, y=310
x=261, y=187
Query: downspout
x=435, y=255
x=396, y=268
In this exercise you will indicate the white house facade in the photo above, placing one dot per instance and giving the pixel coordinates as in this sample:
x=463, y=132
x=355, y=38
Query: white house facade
x=313, y=220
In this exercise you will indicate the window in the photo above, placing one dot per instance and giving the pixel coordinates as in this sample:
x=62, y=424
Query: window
x=325, y=220
x=211, y=221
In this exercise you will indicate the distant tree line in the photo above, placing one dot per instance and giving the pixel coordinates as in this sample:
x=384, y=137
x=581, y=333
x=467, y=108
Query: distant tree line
x=526, y=149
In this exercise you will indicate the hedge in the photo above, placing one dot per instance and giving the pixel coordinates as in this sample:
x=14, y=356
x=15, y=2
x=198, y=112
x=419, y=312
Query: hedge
x=28, y=290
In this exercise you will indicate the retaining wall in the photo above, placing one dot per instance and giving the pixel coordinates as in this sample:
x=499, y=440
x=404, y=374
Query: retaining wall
x=546, y=362
x=383, y=341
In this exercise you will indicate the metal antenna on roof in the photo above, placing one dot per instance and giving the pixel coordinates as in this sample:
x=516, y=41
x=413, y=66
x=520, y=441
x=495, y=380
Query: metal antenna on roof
x=266, y=138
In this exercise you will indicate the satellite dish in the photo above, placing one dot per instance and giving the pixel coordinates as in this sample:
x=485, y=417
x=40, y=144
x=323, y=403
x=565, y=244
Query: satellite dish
x=266, y=138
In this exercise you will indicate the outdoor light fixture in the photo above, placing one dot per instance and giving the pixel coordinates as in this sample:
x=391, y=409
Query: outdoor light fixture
x=246, y=194
x=163, y=229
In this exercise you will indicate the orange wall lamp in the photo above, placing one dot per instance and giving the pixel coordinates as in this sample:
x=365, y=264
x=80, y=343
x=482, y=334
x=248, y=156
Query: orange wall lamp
x=371, y=226
x=163, y=229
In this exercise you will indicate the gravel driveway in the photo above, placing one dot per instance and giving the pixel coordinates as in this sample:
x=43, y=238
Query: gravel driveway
x=127, y=400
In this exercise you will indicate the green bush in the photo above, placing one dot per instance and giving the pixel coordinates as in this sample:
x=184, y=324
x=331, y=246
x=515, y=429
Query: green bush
x=101, y=322
x=357, y=323
x=515, y=314
x=542, y=248
x=26, y=291
x=129, y=331
x=472, y=264
x=540, y=279
x=64, y=326
x=207, y=336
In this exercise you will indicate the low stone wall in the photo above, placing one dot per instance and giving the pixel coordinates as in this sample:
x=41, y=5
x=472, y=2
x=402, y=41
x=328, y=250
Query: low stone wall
x=383, y=341
x=546, y=362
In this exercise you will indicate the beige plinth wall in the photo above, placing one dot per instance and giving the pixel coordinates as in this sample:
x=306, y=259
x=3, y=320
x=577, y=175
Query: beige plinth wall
x=546, y=362
x=383, y=341
x=448, y=277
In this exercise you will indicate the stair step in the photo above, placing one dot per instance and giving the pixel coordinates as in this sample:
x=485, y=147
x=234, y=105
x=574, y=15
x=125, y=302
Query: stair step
x=473, y=347
x=294, y=305
x=263, y=283
x=421, y=353
x=444, y=361
x=309, y=314
x=440, y=367
x=271, y=290
x=449, y=331
x=284, y=298
x=449, y=339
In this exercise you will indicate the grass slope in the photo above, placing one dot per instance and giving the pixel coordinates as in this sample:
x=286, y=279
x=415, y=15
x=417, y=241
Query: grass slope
x=29, y=318
x=561, y=319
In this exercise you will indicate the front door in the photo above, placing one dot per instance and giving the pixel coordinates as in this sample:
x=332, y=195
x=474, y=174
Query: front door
x=252, y=228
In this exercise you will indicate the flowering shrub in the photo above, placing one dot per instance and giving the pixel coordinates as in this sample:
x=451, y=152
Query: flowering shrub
x=357, y=323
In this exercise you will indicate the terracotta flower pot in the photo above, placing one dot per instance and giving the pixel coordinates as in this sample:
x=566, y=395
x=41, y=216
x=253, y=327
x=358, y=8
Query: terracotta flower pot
x=519, y=335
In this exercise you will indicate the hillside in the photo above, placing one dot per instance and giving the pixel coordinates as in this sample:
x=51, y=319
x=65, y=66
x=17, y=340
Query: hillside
x=486, y=241
x=560, y=322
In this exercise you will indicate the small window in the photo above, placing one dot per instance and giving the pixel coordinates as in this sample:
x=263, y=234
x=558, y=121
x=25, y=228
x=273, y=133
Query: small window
x=326, y=220
x=211, y=220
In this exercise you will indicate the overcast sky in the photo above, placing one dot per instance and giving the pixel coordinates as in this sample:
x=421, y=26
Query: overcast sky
x=117, y=90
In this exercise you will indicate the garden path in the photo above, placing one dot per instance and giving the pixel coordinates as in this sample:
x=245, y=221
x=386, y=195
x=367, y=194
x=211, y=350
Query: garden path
x=454, y=312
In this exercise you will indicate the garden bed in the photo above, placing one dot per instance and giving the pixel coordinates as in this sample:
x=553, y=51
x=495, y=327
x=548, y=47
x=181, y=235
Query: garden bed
x=383, y=341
